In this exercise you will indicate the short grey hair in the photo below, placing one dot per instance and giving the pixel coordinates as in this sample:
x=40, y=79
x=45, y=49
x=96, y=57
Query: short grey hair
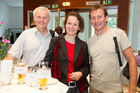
x=41, y=8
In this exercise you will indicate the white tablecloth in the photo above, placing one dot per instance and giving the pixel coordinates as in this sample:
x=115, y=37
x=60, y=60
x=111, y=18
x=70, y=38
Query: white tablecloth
x=25, y=88
x=14, y=88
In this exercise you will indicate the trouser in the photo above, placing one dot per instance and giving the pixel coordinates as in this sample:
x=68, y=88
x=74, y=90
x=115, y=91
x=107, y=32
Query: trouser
x=138, y=81
x=75, y=90
x=73, y=87
x=93, y=90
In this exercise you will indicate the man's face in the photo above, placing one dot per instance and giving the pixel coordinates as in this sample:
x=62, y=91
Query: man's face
x=41, y=19
x=98, y=19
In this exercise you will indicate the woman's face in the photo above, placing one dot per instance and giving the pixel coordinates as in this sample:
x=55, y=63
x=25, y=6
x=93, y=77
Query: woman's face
x=72, y=26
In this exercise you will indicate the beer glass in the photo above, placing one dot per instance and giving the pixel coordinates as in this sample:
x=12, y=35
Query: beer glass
x=21, y=70
x=21, y=78
x=43, y=83
x=44, y=74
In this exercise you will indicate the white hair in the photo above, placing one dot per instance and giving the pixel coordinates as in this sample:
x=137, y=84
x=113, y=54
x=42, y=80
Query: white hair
x=41, y=8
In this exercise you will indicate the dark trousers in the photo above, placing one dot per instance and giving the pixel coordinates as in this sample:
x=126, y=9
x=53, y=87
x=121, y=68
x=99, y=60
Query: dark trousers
x=75, y=90
x=138, y=84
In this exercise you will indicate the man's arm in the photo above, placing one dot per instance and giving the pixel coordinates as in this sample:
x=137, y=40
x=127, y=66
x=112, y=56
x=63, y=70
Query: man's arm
x=128, y=53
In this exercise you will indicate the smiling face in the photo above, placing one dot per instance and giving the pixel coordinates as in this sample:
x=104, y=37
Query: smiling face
x=41, y=19
x=72, y=26
x=98, y=19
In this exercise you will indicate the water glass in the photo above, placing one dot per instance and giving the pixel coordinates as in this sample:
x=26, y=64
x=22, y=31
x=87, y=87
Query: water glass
x=6, y=70
x=32, y=79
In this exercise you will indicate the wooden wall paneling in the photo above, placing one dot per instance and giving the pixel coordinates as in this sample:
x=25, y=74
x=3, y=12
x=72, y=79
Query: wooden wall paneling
x=123, y=11
x=123, y=14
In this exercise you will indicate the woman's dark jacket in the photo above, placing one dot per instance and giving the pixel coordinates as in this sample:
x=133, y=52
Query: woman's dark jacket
x=85, y=69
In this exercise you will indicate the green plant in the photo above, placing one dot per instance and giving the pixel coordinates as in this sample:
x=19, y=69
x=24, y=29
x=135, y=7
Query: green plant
x=3, y=46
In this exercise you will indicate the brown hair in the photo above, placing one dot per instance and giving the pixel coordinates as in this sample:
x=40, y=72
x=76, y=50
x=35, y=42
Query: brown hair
x=96, y=7
x=80, y=19
x=59, y=30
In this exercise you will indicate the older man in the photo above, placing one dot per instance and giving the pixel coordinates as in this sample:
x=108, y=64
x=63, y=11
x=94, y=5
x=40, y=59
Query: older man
x=33, y=43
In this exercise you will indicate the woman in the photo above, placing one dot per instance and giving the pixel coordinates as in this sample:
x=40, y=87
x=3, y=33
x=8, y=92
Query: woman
x=68, y=56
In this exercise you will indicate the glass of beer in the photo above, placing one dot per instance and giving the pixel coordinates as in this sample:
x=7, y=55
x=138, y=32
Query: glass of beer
x=43, y=77
x=21, y=78
x=44, y=74
x=21, y=70
x=43, y=83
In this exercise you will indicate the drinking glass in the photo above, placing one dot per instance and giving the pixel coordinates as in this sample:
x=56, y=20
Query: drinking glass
x=32, y=78
x=21, y=70
x=43, y=74
x=43, y=83
x=6, y=70
x=21, y=78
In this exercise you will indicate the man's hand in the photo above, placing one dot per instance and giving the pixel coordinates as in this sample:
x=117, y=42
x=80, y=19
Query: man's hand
x=9, y=57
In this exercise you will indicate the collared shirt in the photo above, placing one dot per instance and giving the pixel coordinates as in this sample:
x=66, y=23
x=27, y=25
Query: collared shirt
x=31, y=46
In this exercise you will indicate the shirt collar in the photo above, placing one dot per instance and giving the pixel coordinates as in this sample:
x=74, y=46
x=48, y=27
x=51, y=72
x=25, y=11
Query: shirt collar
x=36, y=31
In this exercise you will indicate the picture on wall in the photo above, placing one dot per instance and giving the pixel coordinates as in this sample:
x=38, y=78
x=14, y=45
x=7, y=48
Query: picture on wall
x=30, y=19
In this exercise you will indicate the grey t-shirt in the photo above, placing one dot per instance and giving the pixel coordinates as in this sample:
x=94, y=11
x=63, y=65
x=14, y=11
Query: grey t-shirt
x=105, y=73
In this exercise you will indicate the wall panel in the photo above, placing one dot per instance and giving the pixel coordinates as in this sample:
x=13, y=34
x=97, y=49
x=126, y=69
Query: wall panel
x=123, y=11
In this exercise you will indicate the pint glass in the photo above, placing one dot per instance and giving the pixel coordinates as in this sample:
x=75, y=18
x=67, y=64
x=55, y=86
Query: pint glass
x=42, y=83
x=21, y=70
x=44, y=74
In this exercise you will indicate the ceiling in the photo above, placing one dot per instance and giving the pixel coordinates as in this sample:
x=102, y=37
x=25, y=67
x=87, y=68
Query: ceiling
x=13, y=3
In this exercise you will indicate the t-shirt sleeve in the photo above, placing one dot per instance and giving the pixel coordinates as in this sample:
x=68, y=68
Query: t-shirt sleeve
x=123, y=40
x=17, y=48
